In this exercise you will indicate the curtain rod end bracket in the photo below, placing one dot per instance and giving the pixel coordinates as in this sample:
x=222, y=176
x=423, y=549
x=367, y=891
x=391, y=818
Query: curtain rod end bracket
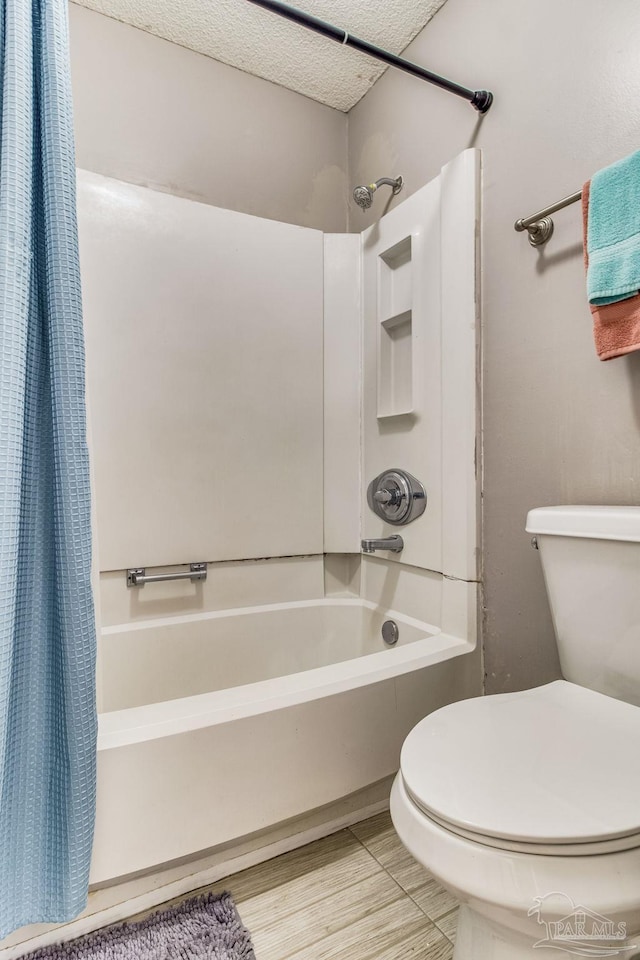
x=482, y=100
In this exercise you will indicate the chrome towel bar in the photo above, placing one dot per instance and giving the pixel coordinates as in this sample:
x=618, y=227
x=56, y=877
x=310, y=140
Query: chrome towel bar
x=137, y=576
x=540, y=225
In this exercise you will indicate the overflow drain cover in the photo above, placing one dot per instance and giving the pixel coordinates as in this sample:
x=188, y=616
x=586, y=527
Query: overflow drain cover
x=390, y=632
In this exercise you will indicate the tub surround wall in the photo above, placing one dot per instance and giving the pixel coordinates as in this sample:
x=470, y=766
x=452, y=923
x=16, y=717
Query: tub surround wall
x=417, y=375
x=150, y=112
x=260, y=458
x=559, y=425
x=402, y=366
x=191, y=304
x=206, y=445
x=420, y=394
x=420, y=375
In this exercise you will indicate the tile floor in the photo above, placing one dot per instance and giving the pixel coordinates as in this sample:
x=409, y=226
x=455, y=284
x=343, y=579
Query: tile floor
x=356, y=894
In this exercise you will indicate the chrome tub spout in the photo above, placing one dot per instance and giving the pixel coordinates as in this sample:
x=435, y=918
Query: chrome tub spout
x=395, y=544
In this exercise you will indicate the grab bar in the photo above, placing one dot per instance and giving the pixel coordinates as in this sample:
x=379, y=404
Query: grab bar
x=137, y=576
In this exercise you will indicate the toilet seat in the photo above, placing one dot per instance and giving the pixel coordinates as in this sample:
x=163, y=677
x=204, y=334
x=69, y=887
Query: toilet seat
x=591, y=848
x=554, y=770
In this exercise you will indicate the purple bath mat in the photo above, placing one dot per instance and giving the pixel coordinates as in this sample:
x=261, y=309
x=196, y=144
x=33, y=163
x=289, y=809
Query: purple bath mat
x=203, y=928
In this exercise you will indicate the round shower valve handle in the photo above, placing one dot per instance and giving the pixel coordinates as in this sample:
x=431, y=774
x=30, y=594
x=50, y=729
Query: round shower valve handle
x=396, y=497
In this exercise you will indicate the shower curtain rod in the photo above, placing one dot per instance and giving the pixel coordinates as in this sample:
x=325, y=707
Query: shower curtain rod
x=480, y=99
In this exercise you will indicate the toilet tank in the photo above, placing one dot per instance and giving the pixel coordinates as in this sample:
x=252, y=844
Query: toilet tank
x=591, y=564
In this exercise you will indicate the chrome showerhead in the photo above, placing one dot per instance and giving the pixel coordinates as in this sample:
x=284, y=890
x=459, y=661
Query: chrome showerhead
x=363, y=196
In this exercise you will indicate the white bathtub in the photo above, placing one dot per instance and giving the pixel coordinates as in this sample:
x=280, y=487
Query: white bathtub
x=222, y=724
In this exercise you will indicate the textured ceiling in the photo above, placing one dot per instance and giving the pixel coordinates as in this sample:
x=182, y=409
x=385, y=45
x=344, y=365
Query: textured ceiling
x=262, y=43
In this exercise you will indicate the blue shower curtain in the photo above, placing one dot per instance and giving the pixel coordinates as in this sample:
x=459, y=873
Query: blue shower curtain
x=47, y=631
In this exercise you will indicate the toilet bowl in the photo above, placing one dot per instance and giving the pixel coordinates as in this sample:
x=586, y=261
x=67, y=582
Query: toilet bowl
x=526, y=806
x=511, y=901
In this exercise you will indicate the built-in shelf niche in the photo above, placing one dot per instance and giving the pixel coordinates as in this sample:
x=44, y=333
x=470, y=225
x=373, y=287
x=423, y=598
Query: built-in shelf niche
x=395, y=337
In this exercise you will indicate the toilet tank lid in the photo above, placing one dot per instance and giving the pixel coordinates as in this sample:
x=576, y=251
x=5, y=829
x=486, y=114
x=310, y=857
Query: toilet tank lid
x=596, y=523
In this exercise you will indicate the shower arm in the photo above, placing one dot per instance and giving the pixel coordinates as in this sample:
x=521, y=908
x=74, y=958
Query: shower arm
x=387, y=181
x=480, y=99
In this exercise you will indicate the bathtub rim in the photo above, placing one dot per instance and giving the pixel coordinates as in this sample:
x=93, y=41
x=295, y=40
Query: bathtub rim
x=228, y=612
x=121, y=728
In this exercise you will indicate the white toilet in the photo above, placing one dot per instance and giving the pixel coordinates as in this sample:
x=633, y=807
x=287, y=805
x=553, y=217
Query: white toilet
x=526, y=806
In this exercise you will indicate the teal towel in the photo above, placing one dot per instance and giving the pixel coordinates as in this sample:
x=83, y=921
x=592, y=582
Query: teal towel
x=613, y=234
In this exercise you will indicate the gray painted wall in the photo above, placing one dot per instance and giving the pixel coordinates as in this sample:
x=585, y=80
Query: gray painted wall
x=153, y=113
x=559, y=425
